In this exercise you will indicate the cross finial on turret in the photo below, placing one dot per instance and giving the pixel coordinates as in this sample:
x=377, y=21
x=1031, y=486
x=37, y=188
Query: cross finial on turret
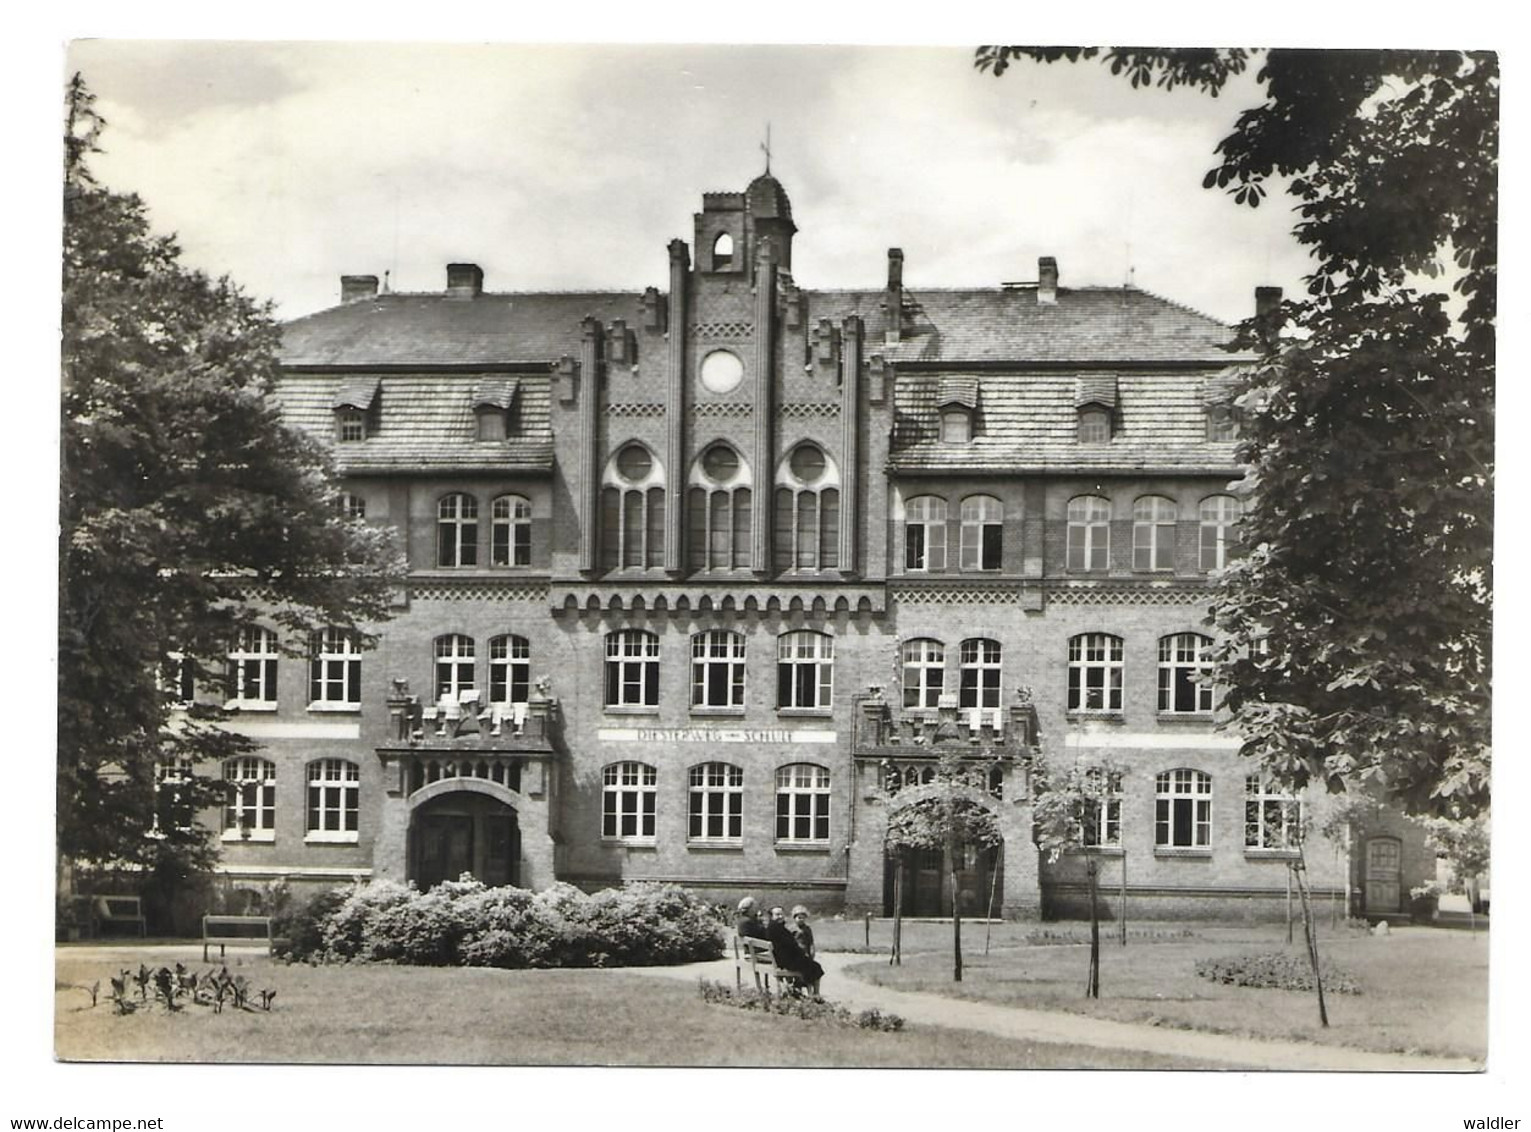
x=766, y=148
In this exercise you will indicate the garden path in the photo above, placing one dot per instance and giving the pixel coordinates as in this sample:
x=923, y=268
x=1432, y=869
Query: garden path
x=1022, y=1024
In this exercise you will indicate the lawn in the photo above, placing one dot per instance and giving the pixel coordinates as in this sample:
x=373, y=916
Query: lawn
x=384, y=1014
x=1424, y=990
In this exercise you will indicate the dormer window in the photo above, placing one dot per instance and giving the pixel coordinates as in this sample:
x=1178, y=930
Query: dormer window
x=1222, y=423
x=957, y=400
x=956, y=425
x=492, y=402
x=353, y=407
x=1094, y=425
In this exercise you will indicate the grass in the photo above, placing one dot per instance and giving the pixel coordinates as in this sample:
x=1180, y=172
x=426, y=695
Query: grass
x=366, y=1014
x=1422, y=990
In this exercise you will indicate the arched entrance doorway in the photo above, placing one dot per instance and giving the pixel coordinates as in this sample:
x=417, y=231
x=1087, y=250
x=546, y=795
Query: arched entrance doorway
x=464, y=832
x=925, y=889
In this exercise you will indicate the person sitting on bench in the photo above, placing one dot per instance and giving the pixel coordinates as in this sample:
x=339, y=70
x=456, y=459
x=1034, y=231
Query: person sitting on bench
x=747, y=922
x=788, y=956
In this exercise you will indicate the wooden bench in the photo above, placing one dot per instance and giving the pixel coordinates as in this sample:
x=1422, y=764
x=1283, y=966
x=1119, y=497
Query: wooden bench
x=755, y=954
x=111, y=911
x=224, y=930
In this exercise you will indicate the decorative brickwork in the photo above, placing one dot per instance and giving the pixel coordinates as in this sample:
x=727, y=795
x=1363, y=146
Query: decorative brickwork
x=722, y=409
x=722, y=329
x=635, y=409
x=1125, y=595
x=479, y=589
x=808, y=410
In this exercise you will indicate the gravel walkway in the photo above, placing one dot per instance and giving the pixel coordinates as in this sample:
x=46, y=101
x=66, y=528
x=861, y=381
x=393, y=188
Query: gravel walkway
x=1021, y=1024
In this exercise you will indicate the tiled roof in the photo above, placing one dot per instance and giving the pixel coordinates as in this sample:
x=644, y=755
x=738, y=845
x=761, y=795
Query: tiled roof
x=1087, y=325
x=1028, y=422
x=1095, y=389
x=356, y=394
x=432, y=330
x=423, y=422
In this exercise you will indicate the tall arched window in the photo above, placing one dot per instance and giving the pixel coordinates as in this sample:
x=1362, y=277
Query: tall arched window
x=802, y=804
x=628, y=795
x=1272, y=816
x=980, y=673
x=1089, y=532
x=718, y=510
x=717, y=669
x=807, y=520
x=249, y=814
x=1183, y=809
x=510, y=659
x=924, y=668
x=1095, y=672
x=252, y=667
x=455, y=665
x=982, y=532
x=1218, y=514
x=1102, y=816
x=632, y=510
x=1182, y=671
x=510, y=531
x=925, y=533
x=1153, y=533
x=334, y=787
x=716, y=803
x=805, y=670
x=457, y=530
x=632, y=668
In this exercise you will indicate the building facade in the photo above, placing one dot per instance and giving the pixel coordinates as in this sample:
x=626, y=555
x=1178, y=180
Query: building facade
x=702, y=576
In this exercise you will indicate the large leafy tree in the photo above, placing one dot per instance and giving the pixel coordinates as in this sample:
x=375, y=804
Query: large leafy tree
x=187, y=512
x=1356, y=629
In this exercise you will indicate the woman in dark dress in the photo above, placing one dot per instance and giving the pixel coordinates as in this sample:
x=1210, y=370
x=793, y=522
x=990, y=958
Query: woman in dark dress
x=788, y=956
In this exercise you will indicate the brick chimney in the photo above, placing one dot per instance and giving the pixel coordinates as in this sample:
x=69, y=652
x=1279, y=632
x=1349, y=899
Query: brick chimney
x=356, y=287
x=894, y=303
x=1047, y=281
x=464, y=281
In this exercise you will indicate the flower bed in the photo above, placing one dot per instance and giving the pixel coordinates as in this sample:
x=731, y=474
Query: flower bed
x=807, y=1009
x=1276, y=970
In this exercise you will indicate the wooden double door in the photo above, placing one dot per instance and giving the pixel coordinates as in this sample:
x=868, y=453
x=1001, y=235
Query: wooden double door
x=464, y=833
x=925, y=889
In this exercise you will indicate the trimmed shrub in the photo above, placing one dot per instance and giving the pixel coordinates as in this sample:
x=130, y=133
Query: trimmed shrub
x=1277, y=971
x=464, y=922
x=299, y=929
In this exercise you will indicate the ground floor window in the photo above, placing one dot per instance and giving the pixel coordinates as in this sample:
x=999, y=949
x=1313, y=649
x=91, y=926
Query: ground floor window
x=717, y=802
x=628, y=795
x=1272, y=817
x=1183, y=809
x=802, y=803
x=250, y=811
x=334, y=789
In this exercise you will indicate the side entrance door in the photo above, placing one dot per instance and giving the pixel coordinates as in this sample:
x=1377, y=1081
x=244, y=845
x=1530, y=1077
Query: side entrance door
x=1383, y=871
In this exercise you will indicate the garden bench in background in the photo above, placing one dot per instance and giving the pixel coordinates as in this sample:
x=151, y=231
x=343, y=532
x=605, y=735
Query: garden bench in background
x=110, y=912
x=224, y=930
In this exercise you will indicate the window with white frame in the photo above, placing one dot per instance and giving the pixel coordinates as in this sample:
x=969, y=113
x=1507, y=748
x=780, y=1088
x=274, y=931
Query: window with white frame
x=717, y=669
x=249, y=813
x=178, y=679
x=805, y=670
x=455, y=665
x=510, y=531
x=1153, y=533
x=979, y=673
x=1102, y=816
x=925, y=533
x=457, y=530
x=716, y=803
x=1183, y=809
x=802, y=804
x=1089, y=533
x=982, y=532
x=632, y=668
x=924, y=668
x=173, y=811
x=334, y=670
x=1218, y=514
x=1272, y=816
x=1183, y=684
x=628, y=794
x=632, y=510
x=1094, y=425
x=252, y=667
x=510, y=669
x=351, y=506
x=1095, y=672
x=350, y=425
x=334, y=791
x=956, y=424
x=718, y=511
x=806, y=530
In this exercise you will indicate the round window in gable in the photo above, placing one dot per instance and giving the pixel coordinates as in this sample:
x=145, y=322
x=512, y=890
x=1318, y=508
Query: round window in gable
x=807, y=463
x=722, y=371
x=720, y=462
x=634, y=462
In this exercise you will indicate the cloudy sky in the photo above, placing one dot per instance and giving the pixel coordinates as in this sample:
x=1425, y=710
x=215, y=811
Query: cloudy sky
x=287, y=165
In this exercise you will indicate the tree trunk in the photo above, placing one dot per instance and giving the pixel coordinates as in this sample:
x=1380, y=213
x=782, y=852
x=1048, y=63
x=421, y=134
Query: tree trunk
x=988, y=927
x=1312, y=937
x=1123, y=900
x=1289, y=902
x=896, y=959
x=951, y=872
x=1092, y=986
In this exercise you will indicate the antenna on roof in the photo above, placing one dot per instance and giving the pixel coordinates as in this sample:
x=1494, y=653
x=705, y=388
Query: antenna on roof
x=766, y=147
